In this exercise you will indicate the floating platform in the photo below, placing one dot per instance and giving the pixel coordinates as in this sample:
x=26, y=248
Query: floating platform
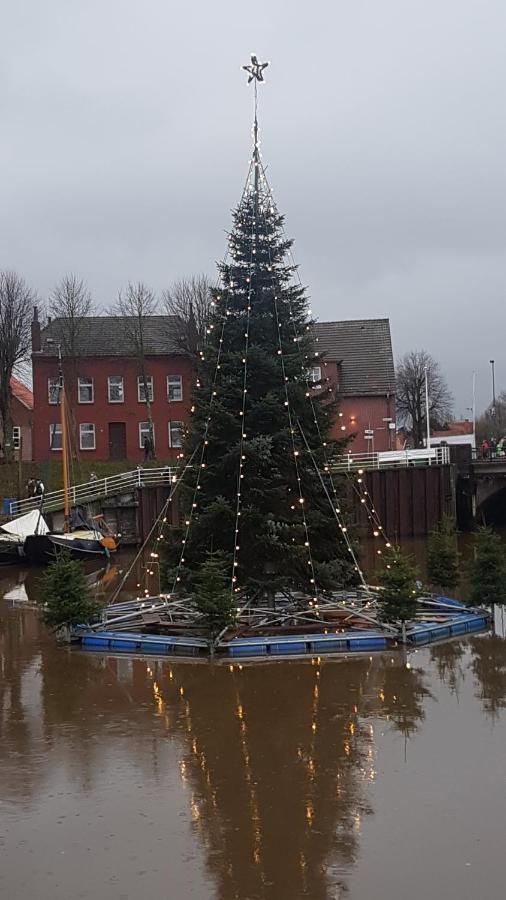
x=460, y=622
x=428, y=632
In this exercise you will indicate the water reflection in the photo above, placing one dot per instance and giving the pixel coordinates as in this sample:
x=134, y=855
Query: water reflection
x=276, y=760
x=276, y=763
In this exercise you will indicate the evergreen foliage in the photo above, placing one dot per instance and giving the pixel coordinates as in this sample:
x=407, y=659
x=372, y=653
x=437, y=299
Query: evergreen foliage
x=212, y=593
x=443, y=556
x=64, y=594
x=398, y=580
x=487, y=569
x=273, y=555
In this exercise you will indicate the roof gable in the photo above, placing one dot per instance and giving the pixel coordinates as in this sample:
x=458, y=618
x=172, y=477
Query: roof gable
x=363, y=348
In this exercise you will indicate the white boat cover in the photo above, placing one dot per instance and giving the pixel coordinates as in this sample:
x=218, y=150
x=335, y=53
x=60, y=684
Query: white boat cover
x=31, y=523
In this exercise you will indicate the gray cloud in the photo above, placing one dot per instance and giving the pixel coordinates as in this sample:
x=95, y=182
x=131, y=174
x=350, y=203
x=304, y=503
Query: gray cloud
x=125, y=139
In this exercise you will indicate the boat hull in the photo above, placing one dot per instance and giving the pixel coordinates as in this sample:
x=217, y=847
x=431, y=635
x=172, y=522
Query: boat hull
x=80, y=548
x=39, y=549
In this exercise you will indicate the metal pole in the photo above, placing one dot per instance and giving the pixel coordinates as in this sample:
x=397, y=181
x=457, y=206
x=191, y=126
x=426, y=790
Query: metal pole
x=427, y=415
x=492, y=363
x=474, y=410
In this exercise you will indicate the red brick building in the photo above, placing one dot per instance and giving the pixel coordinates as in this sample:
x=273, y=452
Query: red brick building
x=358, y=362
x=22, y=419
x=107, y=394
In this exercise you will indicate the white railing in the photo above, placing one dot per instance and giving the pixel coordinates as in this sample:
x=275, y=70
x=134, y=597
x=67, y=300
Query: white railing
x=435, y=456
x=96, y=489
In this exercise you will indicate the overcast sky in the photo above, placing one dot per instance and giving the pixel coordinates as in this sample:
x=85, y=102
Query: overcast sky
x=125, y=134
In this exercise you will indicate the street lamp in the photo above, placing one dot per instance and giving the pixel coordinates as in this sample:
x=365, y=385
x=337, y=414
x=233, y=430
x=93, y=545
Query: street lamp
x=427, y=415
x=492, y=363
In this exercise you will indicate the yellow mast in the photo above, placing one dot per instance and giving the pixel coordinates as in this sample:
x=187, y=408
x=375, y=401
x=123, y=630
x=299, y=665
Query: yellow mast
x=65, y=453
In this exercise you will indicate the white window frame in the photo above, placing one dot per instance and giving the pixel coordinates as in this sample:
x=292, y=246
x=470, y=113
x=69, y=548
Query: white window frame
x=144, y=432
x=90, y=382
x=53, y=390
x=16, y=437
x=88, y=425
x=181, y=430
x=178, y=387
x=109, y=389
x=55, y=430
x=312, y=377
x=140, y=387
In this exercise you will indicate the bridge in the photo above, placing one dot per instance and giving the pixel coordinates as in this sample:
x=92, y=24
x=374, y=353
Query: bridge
x=96, y=490
x=393, y=459
x=410, y=489
x=488, y=486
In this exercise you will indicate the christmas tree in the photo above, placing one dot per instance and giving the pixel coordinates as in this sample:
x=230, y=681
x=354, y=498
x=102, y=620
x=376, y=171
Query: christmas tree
x=443, y=556
x=65, y=596
x=398, y=582
x=212, y=594
x=487, y=569
x=260, y=490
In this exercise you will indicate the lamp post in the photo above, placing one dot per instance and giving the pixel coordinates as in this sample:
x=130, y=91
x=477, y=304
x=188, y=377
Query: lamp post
x=492, y=363
x=427, y=416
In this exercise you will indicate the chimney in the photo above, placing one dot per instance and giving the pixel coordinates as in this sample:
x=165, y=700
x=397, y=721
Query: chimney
x=36, y=342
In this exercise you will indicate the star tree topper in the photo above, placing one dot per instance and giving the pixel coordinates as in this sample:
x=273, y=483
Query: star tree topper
x=255, y=69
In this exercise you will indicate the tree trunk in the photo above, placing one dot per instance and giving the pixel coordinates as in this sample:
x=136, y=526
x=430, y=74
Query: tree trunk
x=6, y=418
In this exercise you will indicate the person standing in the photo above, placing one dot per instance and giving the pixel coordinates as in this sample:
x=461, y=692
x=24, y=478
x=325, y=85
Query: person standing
x=484, y=449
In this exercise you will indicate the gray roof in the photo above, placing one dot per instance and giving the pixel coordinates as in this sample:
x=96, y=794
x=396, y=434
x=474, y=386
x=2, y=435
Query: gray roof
x=109, y=336
x=363, y=347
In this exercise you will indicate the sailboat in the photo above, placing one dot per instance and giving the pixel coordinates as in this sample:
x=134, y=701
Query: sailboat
x=83, y=539
x=14, y=534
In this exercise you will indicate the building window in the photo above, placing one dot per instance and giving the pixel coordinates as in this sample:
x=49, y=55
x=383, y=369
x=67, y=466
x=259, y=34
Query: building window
x=176, y=434
x=85, y=390
x=55, y=437
x=174, y=388
x=87, y=436
x=141, y=393
x=314, y=374
x=53, y=390
x=115, y=389
x=145, y=432
x=16, y=437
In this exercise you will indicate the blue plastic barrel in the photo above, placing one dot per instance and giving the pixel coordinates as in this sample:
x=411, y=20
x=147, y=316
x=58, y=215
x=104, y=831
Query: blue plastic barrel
x=6, y=505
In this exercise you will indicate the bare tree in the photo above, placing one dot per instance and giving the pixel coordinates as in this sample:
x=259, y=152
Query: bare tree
x=410, y=392
x=189, y=300
x=492, y=423
x=134, y=308
x=70, y=303
x=16, y=305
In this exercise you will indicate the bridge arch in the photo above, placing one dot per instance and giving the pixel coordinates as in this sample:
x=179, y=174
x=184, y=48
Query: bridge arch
x=491, y=501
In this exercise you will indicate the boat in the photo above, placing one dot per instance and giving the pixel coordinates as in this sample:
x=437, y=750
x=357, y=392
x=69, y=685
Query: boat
x=14, y=534
x=83, y=539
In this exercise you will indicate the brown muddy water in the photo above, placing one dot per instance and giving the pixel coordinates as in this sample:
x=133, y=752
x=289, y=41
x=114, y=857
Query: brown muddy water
x=375, y=777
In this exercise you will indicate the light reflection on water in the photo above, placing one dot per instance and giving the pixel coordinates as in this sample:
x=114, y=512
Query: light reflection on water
x=122, y=777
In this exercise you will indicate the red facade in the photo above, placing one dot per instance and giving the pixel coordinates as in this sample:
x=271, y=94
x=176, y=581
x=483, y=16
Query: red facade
x=116, y=433
x=366, y=418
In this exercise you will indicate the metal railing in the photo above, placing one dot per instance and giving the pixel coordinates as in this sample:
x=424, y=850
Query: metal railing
x=435, y=456
x=99, y=488
x=96, y=489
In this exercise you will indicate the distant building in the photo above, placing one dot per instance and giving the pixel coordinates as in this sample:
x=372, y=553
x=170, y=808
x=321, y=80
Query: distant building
x=107, y=394
x=22, y=420
x=457, y=433
x=357, y=361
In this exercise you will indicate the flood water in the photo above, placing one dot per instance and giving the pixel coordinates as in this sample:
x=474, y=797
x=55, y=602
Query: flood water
x=124, y=778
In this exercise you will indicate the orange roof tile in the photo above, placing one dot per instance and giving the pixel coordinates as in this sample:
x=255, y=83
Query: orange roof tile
x=22, y=393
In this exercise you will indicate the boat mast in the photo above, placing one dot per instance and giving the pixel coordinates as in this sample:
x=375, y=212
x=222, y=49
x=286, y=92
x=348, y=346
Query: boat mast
x=64, y=449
